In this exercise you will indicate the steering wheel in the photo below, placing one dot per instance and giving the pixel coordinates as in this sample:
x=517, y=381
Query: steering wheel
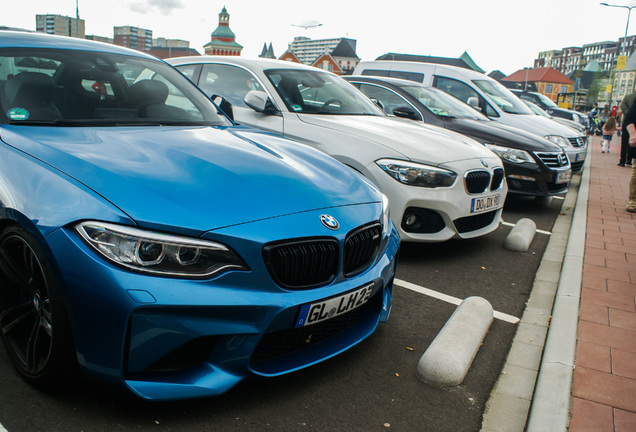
x=330, y=102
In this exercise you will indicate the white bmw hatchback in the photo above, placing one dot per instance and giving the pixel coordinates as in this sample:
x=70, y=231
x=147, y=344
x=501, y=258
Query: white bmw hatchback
x=440, y=184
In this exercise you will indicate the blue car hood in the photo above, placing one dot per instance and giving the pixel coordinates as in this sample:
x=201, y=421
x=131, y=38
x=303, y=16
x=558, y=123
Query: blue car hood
x=194, y=178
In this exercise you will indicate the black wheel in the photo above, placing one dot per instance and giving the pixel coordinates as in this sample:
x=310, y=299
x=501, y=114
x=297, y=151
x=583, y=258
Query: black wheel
x=33, y=321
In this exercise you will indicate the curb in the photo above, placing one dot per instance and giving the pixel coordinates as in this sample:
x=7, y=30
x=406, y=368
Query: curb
x=534, y=387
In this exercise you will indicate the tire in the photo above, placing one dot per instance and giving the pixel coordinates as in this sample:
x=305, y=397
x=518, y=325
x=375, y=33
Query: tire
x=33, y=321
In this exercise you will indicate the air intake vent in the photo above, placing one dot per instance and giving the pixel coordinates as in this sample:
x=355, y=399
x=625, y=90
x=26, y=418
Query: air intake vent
x=303, y=263
x=497, y=179
x=477, y=181
x=361, y=248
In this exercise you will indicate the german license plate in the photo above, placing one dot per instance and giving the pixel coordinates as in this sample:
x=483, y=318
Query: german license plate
x=320, y=311
x=564, y=177
x=478, y=205
x=579, y=157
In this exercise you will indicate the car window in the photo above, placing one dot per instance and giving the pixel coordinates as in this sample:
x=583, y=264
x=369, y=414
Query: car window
x=306, y=91
x=188, y=70
x=71, y=87
x=411, y=76
x=390, y=100
x=463, y=92
x=503, y=97
x=441, y=103
x=546, y=101
x=231, y=82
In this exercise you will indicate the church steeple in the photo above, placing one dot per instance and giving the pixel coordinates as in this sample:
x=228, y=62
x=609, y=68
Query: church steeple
x=222, y=40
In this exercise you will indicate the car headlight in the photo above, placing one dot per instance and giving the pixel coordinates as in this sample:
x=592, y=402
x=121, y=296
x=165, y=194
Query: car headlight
x=559, y=140
x=386, y=216
x=157, y=253
x=414, y=174
x=510, y=154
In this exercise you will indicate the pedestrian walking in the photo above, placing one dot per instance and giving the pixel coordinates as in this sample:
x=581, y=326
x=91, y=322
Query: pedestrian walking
x=629, y=123
x=609, y=127
x=603, y=116
x=624, y=108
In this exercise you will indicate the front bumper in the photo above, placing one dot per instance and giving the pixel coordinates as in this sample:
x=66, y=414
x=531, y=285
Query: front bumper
x=443, y=213
x=170, y=338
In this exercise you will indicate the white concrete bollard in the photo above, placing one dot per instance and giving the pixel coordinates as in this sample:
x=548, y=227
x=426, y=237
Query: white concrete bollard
x=449, y=356
x=521, y=235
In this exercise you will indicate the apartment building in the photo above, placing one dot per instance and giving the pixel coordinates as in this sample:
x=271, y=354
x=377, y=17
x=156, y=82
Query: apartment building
x=60, y=25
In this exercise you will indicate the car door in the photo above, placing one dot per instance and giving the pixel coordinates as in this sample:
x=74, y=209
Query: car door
x=233, y=83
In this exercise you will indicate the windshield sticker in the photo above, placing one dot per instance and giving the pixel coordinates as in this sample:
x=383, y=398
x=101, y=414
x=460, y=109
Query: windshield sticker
x=18, y=114
x=297, y=108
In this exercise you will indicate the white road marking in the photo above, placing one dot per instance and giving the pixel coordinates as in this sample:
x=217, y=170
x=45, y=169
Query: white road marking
x=450, y=299
x=539, y=231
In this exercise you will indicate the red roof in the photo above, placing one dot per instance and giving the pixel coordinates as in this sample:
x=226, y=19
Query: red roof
x=544, y=74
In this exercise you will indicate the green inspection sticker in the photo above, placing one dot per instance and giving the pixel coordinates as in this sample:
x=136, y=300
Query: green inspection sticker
x=18, y=114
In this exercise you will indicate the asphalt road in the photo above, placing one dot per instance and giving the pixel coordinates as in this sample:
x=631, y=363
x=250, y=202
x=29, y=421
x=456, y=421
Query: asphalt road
x=372, y=387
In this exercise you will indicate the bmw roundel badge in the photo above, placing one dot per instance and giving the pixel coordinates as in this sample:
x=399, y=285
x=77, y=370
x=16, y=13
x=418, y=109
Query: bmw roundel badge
x=484, y=163
x=330, y=222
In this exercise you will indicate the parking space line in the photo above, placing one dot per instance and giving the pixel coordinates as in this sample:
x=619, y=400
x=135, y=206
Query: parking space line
x=450, y=299
x=539, y=231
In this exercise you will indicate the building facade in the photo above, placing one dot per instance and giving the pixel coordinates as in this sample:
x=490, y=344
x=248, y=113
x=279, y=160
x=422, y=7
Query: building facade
x=308, y=50
x=60, y=25
x=133, y=37
x=546, y=80
x=223, y=40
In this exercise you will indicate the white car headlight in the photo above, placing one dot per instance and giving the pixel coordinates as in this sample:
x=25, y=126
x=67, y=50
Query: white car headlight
x=510, y=154
x=414, y=174
x=157, y=253
x=559, y=140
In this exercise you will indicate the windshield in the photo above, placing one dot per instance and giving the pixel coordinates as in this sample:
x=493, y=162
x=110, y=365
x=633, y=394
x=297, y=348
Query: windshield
x=536, y=109
x=441, y=103
x=546, y=101
x=502, y=97
x=310, y=92
x=79, y=88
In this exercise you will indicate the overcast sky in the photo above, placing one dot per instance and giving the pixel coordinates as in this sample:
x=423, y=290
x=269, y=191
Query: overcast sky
x=498, y=34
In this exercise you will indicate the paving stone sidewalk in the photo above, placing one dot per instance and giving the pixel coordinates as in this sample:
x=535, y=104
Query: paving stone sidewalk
x=604, y=385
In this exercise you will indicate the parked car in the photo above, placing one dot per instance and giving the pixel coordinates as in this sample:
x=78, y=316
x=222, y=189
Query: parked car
x=533, y=165
x=440, y=184
x=485, y=94
x=150, y=243
x=552, y=108
x=537, y=110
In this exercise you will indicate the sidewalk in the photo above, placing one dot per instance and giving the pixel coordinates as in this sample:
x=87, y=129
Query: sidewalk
x=604, y=385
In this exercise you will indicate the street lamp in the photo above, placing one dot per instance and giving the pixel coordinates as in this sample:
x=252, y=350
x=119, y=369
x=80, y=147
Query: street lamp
x=629, y=9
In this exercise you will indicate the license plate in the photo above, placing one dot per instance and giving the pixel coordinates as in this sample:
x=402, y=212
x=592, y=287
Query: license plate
x=320, y=311
x=579, y=156
x=478, y=205
x=563, y=177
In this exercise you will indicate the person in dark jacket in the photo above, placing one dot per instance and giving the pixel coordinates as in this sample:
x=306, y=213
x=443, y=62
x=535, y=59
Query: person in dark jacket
x=629, y=125
x=626, y=103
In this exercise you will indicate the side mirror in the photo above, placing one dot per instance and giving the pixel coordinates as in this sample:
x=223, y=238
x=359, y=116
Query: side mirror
x=378, y=103
x=406, y=112
x=223, y=105
x=259, y=102
x=473, y=102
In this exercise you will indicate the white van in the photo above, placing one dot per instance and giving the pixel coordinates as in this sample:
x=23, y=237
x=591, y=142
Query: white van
x=486, y=94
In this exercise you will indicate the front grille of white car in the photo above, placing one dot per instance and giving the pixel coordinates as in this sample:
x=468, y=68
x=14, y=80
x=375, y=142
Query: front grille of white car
x=480, y=181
